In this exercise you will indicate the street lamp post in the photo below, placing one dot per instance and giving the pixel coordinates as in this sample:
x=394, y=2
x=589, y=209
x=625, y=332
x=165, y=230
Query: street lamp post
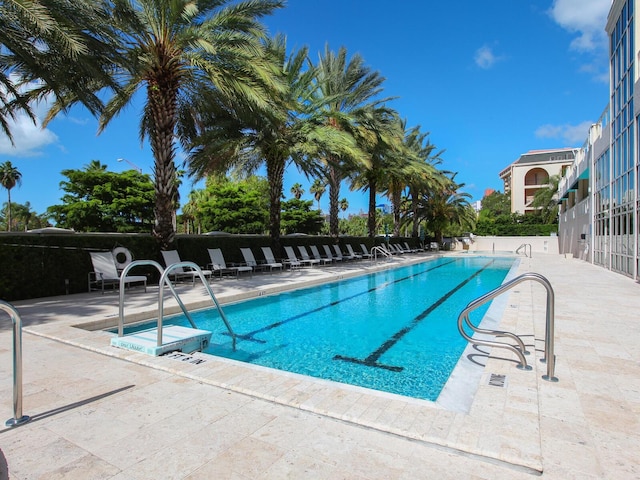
x=130, y=163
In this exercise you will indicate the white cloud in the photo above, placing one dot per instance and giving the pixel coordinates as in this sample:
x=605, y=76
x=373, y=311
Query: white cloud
x=28, y=138
x=586, y=18
x=485, y=58
x=572, y=135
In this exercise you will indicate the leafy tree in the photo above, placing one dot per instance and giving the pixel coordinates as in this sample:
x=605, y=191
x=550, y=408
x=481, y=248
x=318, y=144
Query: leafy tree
x=9, y=178
x=297, y=190
x=346, y=88
x=55, y=47
x=178, y=52
x=545, y=200
x=233, y=135
x=318, y=188
x=235, y=207
x=297, y=217
x=97, y=200
x=23, y=218
x=496, y=203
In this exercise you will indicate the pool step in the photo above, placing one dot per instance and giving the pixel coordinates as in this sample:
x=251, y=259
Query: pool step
x=174, y=338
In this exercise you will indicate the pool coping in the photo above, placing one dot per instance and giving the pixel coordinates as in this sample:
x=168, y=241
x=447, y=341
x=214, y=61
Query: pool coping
x=483, y=431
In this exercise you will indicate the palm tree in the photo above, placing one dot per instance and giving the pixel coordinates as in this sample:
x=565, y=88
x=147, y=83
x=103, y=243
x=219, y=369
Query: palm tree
x=446, y=207
x=179, y=52
x=345, y=90
x=58, y=47
x=545, y=200
x=380, y=135
x=343, y=204
x=9, y=178
x=297, y=190
x=318, y=188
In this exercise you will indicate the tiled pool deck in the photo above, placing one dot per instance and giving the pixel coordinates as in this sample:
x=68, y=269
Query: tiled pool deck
x=103, y=413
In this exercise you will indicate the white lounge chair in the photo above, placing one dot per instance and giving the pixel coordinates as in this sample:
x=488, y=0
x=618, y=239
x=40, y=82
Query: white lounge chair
x=106, y=273
x=316, y=255
x=250, y=260
x=219, y=266
x=327, y=252
x=353, y=254
x=345, y=256
x=305, y=258
x=271, y=261
x=172, y=257
x=291, y=261
x=365, y=251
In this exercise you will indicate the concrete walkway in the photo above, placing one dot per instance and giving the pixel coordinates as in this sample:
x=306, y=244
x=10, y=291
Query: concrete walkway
x=105, y=413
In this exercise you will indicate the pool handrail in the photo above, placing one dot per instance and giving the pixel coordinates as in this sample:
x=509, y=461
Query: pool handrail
x=165, y=279
x=160, y=269
x=377, y=249
x=18, y=417
x=549, y=342
x=524, y=246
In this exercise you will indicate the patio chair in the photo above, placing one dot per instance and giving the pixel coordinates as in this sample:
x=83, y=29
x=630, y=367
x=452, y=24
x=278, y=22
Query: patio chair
x=250, y=260
x=345, y=256
x=291, y=261
x=412, y=250
x=271, y=261
x=105, y=273
x=365, y=251
x=327, y=252
x=178, y=274
x=219, y=266
x=353, y=254
x=316, y=255
x=305, y=258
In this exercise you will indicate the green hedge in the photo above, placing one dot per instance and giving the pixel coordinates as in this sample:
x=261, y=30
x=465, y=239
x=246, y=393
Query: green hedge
x=44, y=265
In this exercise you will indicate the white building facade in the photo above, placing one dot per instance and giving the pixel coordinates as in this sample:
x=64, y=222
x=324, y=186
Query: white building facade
x=599, y=195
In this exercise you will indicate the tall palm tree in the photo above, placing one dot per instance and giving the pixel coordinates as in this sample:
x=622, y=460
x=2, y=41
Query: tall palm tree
x=297, y=190
x=59, y=47
x=380, y=135
x=343, y=204
x=9, y=178
x=345, y=89
x=318, y=188
x=175, y=51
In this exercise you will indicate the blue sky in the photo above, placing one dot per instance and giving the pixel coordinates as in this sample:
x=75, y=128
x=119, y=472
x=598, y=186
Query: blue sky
x=488, y=80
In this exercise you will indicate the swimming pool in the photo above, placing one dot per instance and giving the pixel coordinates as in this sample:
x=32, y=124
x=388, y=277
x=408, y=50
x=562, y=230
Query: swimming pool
x=393, y=331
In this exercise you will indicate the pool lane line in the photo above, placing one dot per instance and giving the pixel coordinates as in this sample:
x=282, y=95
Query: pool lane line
x=250, y=336
x=372, y=360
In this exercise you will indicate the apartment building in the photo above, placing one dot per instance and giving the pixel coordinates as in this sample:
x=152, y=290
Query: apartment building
x=599, y=202
x=531, y=172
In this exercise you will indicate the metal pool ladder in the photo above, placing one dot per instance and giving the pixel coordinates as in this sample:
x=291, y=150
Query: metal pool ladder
x=524, y=246
x=379, y=250
x=18, y=418
x=165, y=280
x=520, y=350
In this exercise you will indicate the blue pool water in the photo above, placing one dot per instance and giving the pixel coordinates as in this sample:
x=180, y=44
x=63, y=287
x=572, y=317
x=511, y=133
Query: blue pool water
x=394, y=330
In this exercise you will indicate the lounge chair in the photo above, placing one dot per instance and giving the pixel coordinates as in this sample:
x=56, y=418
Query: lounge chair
x=219, y=266
x=305, y=258
x=106, y=273
x=316, y=255
x=412, y=250
x=177, y=274
x=271, y=261
x=353, y=254
x=327, y=252
x=250, y=260
x=338, y=253
x=291, y=261
x=365, y=251
x=346, y=256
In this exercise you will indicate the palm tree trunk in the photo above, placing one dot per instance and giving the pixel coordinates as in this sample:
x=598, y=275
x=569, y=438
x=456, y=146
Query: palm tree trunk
x=163, y=114
x=334, y=194
x=414, y=212
x=371, y=219
x=396, y=200
x=9, y=210
x=275, y=176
